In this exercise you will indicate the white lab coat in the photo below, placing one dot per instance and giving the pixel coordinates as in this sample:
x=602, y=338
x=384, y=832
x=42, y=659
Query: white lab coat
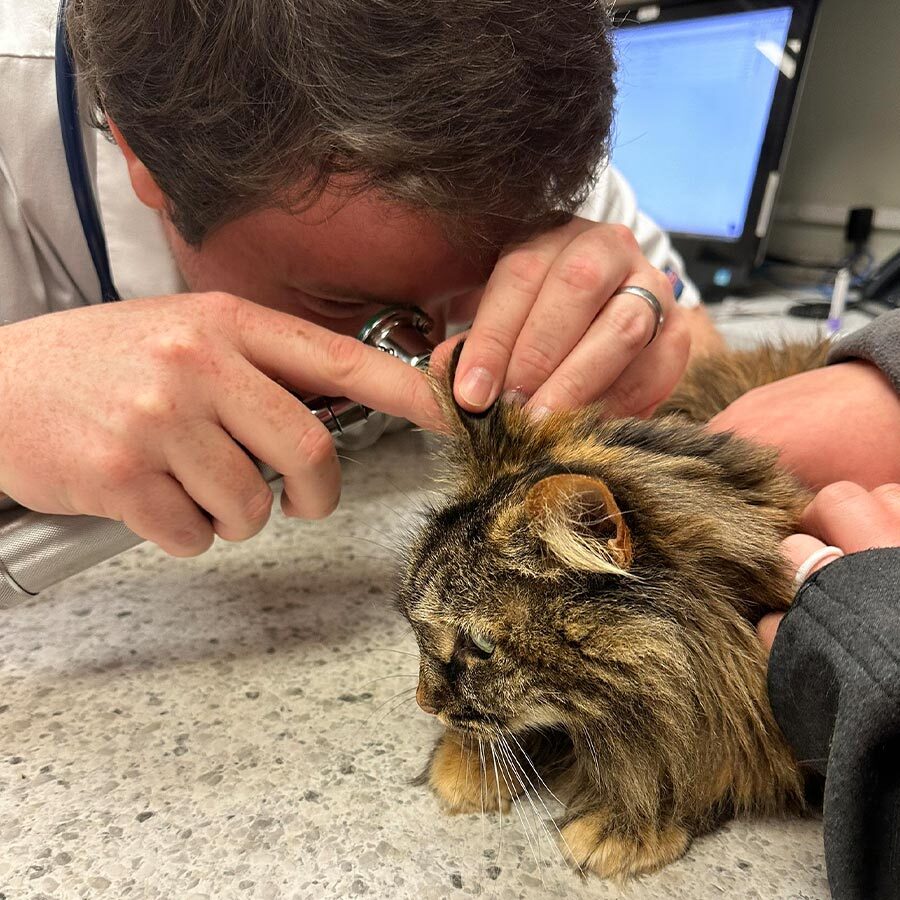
x=44, y=260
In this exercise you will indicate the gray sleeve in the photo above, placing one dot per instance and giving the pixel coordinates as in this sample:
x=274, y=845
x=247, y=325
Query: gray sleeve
x=834, y=684
x=878, y=343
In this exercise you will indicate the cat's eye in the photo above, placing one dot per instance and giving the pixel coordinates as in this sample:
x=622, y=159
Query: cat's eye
x=485, y=645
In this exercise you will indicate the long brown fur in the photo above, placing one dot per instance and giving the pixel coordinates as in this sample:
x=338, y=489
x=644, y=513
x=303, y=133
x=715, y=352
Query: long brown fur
x=713, y=382
x=615, y=571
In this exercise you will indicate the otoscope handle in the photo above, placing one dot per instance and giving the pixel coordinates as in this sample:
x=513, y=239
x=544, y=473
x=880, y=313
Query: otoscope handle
x=39, y=550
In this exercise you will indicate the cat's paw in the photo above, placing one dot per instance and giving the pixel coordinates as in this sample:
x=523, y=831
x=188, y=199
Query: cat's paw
x=590, y=844
x=464, y=779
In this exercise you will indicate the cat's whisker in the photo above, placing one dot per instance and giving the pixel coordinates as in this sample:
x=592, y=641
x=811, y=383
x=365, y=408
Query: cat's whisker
x=407, y=699
x=386, y=677
x=381, y=534
x=462, y=761
x=595, y=757
x=393, y=697
x=468, y=746
x=516, y=767
x=393, y=650
x=483, y=780
x=531, y=829
x=498, y=765
x=404, y=695
x=392, y=550
x=416, y=513
x=499, y=803
x=404, y=520
x=522, y=819
x=537, y=794
x=531, y=764
x=387, y=478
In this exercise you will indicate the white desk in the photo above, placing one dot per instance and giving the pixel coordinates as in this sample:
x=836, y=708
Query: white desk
x=747, y=321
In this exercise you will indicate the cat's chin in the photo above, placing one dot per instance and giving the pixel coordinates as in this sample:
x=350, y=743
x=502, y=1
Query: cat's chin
x=482, y=726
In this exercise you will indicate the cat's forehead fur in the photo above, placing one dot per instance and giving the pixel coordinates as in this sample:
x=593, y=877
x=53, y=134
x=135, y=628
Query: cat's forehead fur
x=698, y=507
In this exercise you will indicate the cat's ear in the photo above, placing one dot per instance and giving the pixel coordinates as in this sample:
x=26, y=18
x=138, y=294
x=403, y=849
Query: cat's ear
x=578, y=520
x=482, y=431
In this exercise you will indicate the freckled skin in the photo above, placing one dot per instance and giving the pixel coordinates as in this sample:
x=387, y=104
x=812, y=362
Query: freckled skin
x=615, y=571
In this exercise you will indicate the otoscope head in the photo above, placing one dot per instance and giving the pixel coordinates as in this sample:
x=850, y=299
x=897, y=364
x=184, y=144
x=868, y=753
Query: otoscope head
x=401, y=331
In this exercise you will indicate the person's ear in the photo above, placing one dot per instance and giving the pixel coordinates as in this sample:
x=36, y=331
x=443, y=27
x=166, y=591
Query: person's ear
x=578, y=521
x=142, y=182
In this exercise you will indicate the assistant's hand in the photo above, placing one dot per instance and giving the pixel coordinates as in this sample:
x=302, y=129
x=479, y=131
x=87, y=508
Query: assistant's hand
x=140, y=411
x=846, y=516
x=839, y=423
x=551, y=328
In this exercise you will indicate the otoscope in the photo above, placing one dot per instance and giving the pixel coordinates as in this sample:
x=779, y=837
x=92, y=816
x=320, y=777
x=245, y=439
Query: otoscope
x=38, y=550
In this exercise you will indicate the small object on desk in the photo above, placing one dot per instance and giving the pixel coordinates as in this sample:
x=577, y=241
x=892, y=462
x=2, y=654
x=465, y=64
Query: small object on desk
x=839, y=300
x=675, y=281
x=884, y=285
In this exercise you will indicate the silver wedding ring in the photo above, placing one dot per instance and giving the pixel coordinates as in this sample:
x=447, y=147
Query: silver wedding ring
x=654, y=304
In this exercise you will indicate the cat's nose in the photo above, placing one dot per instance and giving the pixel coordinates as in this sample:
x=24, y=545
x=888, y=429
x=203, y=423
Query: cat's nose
x=424, y=700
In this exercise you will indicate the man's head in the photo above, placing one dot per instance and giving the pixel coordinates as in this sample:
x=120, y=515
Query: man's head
x=462, y=123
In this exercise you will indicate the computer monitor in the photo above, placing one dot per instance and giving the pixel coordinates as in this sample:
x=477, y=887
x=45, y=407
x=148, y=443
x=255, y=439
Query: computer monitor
x=707, y=92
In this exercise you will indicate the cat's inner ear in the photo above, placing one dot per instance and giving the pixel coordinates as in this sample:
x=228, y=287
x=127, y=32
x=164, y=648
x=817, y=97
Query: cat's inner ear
x=578, y=520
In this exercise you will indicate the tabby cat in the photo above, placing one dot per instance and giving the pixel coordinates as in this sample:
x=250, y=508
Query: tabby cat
x=584, y=605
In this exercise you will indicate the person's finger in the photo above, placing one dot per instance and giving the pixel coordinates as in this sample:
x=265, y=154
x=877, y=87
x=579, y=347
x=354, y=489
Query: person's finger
x=653, y=374
x=768, y=628
x=888, y=495
x=580, y=282
x=798, y=548
x=221, y=479
x=279, y=430
x=440, y=356
x=848, y=516
x=314, y=360
x=619, y=333
x=158, y=509
x=505, y=305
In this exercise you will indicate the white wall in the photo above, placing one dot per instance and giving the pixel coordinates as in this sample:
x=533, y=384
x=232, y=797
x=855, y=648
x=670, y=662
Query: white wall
x=846, y=148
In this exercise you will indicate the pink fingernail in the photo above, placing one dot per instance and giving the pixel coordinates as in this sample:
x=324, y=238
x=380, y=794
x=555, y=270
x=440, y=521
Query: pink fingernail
x=541, y=412
x=477, y=387
x=515, y=397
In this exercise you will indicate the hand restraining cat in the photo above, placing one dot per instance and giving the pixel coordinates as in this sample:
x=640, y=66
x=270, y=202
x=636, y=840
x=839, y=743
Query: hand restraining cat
x=584, y=605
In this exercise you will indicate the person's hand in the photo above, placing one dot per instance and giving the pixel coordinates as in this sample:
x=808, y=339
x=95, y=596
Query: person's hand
x=552, y=329
x=839, y=423
x=845, y=516
x=144, y=411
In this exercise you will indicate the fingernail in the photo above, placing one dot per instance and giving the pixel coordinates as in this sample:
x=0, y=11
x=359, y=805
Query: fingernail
x=541, y=412
x=515, y=397
x=477, y=387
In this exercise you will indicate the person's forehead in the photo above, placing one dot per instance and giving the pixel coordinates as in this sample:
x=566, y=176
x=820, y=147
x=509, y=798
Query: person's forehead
x=367, y=249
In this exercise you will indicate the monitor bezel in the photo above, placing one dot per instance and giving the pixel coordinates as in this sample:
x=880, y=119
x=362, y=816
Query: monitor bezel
x=742, y=253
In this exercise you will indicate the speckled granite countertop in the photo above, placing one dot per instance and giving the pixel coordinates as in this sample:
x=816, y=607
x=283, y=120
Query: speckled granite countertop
x=242, y=725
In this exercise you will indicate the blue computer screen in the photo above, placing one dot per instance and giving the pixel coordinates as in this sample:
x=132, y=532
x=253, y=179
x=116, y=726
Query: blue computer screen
x=693, y=108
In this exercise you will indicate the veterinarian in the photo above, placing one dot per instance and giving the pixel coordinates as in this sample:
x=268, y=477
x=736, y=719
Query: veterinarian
x=275, y=178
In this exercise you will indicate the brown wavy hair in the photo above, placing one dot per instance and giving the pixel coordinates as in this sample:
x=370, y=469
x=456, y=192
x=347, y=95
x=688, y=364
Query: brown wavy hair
x=493, y=115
